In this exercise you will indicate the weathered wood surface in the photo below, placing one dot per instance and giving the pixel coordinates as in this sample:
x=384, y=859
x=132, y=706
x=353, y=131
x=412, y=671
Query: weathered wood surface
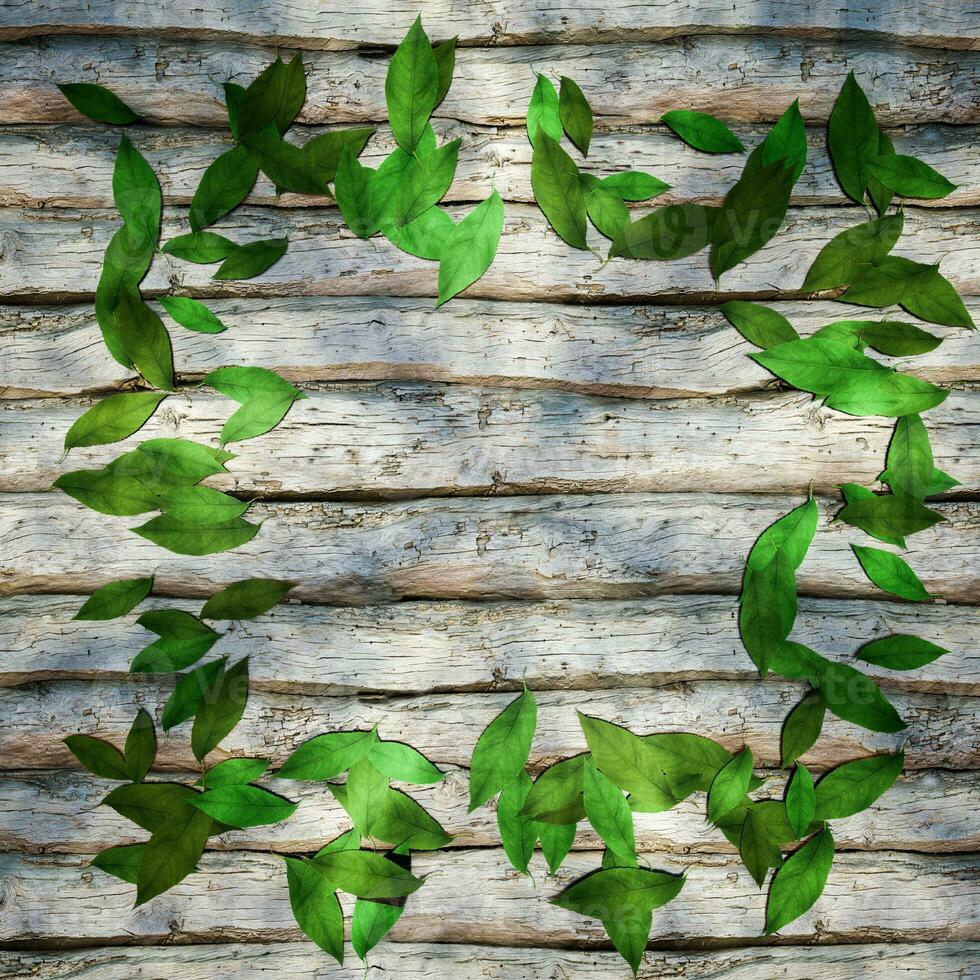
x=415, y=961
x=741, y=79
x=635, y=351
x=310, y=25
x=71, y=166
x=415, y=440
x=418, y=647
x=57, y=900
x=547, y=546
x=45, y=812
x=57, y=255
x=942, y=729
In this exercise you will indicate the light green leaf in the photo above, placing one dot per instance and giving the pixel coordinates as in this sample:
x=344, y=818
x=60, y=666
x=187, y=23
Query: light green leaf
x=445, y=55
x=248, y=261
x=124, y=265
x=556, y=842
x=315, y=906
x=609, y=813
x=402, y=763
x=224, y=185
x=258, y=415
x=556, y=797
x=470, y=247
x=363, y=795
x=400, y=821
x=200, y=247
x=244, y=806
x=702, y=131
x=910, y=177
x=220, y=709
x=575, y=114
x=543, y=110
x=606, y=211
x=802, y=727
x=366, y=875
x=326, y=756
x=121, y=862
x=353, y=191
x=424, y=182
x=197, y=539
x=372, y=921
x=730, y=785
x=136, y=192
x=115, y=599
x=801, y=801
x=800, y=881
x=187, y=693
x=672, y=232
x=852, y=138
x=108, y=493
x=909, y=464
x=518, y=833
x=896, y=339
x=689, y=761
x=202, y=505
x=172, y=853
x=758, y=324
x=633, y=185
x=145, y=340
x=98, y=756
x=755, y=846
x=412, y=87
x=164, y=463
x=890, y=517
x=234, y=772
x=246, y=599
x=98, y=103
x=856, y=785
x=853, y=252
x=141, y=746
x=425, y=237
x=192, y=314
x=502, y=749
x=900, y=652
x=557, y=186
x=891, y=573
x=113, y=418
x=275, y=97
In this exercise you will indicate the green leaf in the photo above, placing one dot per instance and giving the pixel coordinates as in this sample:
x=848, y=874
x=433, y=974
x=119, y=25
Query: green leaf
x=202, y=505
x=136, y=192
x=174, y=624
x=412, y=87
x=900, y=652
x=759, y=324
x=247, y=599
x=425, y=237
x=556, y=797
x=890, y=517
x=192, y=314
x=164, y=463
x=502, y=749
x=854, y=786
x=285, y=164
x=372, y=921
x=424, y=182
x=234, y=772
x=326, y=756
x=801, y=801
x=115, y=599
x=167, y=655
x=274, y=98
x=575, y=114
x=196, y=539
x=702, y=131
x=402, y=763
x=891, y=573
x=120, y=862
x=909, y=463
x=802, y=727
x=386, y=181
x=124, y=265
x=880, y=195
x=200, y=247
x=98, y=103
x=188, y=692
x=543, y=110
x=470, y=247
x=220, y=709
x=172, y=853
x=145, y=340
x=557, y=187
x=730, y=785
x=113, y=418
x=633, y=185
x=244, y=806
x=366, y=875
x=315, y=906
x=917, y=287
x=353, y=192
x=107, y=492
x=323, y=152
x=265, y=398
x=518, y=833
x=224, y=185
x=606, y=211
x=852, y=253
x=785, y=141
x=690, y=762
x=445, y=55
x=99, y=757
x=141, y=746
x=609, y=813
x=852, y=138
x=234, y=94
x=248, y=261
x=556, y=842
x=800, y=881
x=630, y=762
x=400, y=821
x=896, y=339
x=672, y=232
x=755, y=846
x=910, y=177
x=152, y=806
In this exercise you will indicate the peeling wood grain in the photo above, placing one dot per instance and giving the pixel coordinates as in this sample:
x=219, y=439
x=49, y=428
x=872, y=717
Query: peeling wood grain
x=494, y=23
x=46, y=812
x=598, y=546
x=741, y=79
x=942, y=729
x=419, y=647
x=418, y=440
x=71, y=166
x=57, y=255
x=869, y=897
x=635, y=351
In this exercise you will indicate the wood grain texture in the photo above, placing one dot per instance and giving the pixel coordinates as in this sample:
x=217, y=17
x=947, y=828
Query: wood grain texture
x=71, y=166
x=419, y=647
x=44, y=812
x=547, y=546
x=942, y=729
x=309, y=25
x=741, y=79
x=634, y=351
x=57, y=255
x=420, y=440
x=415, y=961
x=57, y=900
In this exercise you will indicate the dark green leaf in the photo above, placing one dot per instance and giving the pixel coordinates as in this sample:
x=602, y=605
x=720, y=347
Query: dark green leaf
x=470, y=247
x=352, y=190
x=890, y=517
x=324, y=151
x=366, y=875
x=852, y=137
x=445, y=55
x=402, y=763
x=315, y=906
x=900, y=652
x=107, y=492
x=98, y=756
x=244, y=806
x=124, y=265
x=412, y=87
x=543, y=110
x=702, y=131
x=690, y=762
x=632, y=185
x=575, y=114
x=246, y=599
x=557, y=187
x=758, y=324
x=136, y=192
x=120, y=862
x=755, y=846
x=518, y=833
x=224, y=185
x=400, y=821
x=202, y=505
x=192, y=314
x=802, y=727
x=220, y=709
x=145, y=340
x=234, y=94
x=880, y=195
x=172, y=853
x=187, y=693
x=200, y=247
x=196, y=539
x=274, y=98
x=673, y=232
x=896, y=339
x=163, y=463
x=372, y=921
x=854, y=786
x=174, y=624
x=386, y=181
x=285, y=164
x=556, y=842
x=910, y=177
x=852, y=253
x=165, y=656
x=909, y=463
x=730, y=785
x=113, y=418
x=785, y=141
x=502, y=749
x=801, y=801
x=609, y=813
x=115, y=599
x=326, y=756
x=141, y=746
x=151, y=806
x=98, y=103
x=234, y=772
x=799, y=882
x=248, y=261
x=556, y=797
x=891, y=573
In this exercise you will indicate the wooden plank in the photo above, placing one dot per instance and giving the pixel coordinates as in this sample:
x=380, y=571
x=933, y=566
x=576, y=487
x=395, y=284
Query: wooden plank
x=45, y=812
x=57, y=256
x=414, y=440
x=309, y=25
x=414, y=961
x=635, y=351
x=418, y=647
x=474, y=896
x=942, y=729
x=78, y=162
x=588, y=546
x=741, y=79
